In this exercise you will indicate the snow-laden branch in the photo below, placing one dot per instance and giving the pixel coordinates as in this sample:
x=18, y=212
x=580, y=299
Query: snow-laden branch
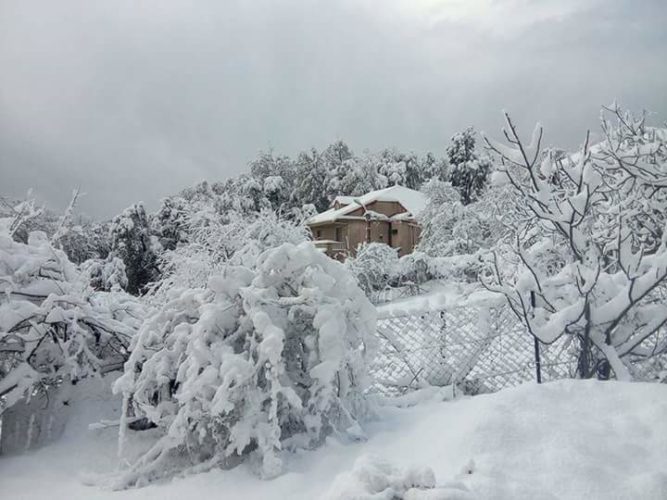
x=589, y=254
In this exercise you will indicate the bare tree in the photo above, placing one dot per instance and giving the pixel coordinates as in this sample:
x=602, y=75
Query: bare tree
x=66, y=220
x=588, y=251
x=17, y=214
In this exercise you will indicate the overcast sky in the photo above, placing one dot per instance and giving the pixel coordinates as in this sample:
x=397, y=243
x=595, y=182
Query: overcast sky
x=136, y=99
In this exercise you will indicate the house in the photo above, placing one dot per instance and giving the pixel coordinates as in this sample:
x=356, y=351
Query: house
x=384, y=216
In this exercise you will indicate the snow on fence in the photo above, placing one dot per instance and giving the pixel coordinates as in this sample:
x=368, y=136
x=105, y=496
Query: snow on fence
x=477, y=345
x=390, y=293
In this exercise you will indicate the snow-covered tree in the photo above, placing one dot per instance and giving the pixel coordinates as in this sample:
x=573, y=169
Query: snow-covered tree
x=312, y=181
x=258, y=362
x=415, y=171
x=132, y=242
x=442, y=210
x=86, y=240
x=374, y=266
x=66, y=221
x=451, y=228
x=416, y=267
x=276, y=191
x=105, y=274
x=393, y=167
x=171, y=222
x=434, y=168
x=53, y=327
x=588, y=254
x=361, y=177
x=79, y=238
x=337, y=154
x=468, y=172
x=15, y=215
x=218, y=242
x=269, y=165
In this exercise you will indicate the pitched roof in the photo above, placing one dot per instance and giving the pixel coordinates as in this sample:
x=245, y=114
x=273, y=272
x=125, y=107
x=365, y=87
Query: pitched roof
x=344, y=200
x=413, y=201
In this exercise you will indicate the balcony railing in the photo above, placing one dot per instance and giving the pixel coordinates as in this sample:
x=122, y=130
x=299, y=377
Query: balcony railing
x=331, y=246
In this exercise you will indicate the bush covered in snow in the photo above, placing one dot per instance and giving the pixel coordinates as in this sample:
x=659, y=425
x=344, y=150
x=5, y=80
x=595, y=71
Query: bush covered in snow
x=380, y=272
x=451, y=228
x=260, y=360
x=374, y=266
x=215, y=242
x=105, y=274
x=53, y=326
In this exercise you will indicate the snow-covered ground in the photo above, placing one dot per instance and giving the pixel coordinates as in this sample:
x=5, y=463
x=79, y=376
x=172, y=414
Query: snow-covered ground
x=563, y=440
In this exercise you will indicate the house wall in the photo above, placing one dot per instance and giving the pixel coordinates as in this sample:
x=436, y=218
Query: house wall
x=357, y=233
x=405, y=238
x=325, y=231
x=354, y=232
x=380, y=232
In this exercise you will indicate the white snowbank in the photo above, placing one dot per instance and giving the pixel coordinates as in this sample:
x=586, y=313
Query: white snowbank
x=563, y=440
x=374, y=478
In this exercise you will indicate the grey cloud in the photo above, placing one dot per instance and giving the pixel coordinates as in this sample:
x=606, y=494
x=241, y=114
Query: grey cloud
x=136, y=100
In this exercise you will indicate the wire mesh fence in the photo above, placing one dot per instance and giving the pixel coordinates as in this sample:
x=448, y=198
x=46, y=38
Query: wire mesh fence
x=476, y=347
x=391, y=293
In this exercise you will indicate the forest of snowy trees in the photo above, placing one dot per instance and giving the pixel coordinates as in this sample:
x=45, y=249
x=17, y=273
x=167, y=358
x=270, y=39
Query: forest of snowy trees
x=237, y=338
x=208, y=223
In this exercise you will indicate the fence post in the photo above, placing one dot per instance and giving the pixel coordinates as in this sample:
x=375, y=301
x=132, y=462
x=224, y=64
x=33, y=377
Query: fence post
x=538, y=364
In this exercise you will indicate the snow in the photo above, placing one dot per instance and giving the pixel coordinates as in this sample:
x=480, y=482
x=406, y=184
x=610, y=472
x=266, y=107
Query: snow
x=343, y=200
x=268, y=359
x=563, y=440
x=413, y=201
x=443, y=296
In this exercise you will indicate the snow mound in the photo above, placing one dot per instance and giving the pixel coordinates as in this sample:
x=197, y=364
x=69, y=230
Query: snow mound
x=374, y=478
x=572, y=439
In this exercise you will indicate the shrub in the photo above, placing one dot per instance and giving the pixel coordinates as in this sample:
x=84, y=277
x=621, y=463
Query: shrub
x=257, y=362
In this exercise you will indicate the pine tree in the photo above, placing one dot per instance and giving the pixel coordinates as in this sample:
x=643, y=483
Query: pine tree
x=131, y=242
x=312, y=180
x=469, y=172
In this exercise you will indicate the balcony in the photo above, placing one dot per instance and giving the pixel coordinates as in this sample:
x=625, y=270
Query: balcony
x=332, y=248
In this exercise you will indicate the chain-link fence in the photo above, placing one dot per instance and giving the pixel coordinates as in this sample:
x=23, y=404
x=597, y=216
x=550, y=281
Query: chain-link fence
x=477, y=347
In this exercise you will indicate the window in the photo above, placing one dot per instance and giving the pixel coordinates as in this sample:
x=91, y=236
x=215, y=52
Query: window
x=319, y=233
x=394, y=231
x=339, y=234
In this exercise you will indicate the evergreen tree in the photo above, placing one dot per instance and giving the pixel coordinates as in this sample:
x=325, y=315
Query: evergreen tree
x=131, y=242
x=171, y=222
x=469, y=172
x=312, y=180
x=433, y=167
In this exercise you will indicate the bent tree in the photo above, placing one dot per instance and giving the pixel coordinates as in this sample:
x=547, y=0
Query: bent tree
x=587, y=253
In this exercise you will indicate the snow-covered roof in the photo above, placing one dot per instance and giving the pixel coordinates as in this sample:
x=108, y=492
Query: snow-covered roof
x=343, y=200
x=413, y=201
